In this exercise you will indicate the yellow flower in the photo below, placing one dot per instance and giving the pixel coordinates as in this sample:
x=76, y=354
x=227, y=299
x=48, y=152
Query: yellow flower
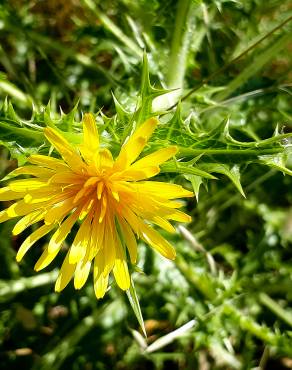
x=108, y=198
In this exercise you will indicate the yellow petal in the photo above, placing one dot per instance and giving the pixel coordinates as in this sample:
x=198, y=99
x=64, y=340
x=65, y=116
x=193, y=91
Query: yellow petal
x=49, y=162
x=81, y=194
x=104, y=160
x=136, y=143
x=156, y=158
x=99, y=189
x=46, y=258
x=44, y=191
x=27, y=221
x=100, y=286
x=109, y=250
x=67, y=151
x=164, y=190
x=81, y=241
x=129, y=239
x=27, y=185
x=98, y=268
x=31, y=239
x=90, y=133
x=164, y=224
x=103, y=208
x=131, y=218
x=81, y=274
x=91, y=181
x=132, y=174
x=61, y=233
x=58, y=211
x=114, y=192
x=7, y=194
x=4, y=216
x=179, y=216
x=121, y=274
x=65, y=275
x=97, y=234
x=49, y=199
x=100, y=278
x=87, y=206
x=67, y=177
x=21, y=208
x=156, y=241
x=120, y=269
x=33, y=171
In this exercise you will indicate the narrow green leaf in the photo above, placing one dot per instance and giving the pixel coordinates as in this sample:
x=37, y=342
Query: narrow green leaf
x=257, y=64
x=113, y=28
x=15, y=92
x=134, y=301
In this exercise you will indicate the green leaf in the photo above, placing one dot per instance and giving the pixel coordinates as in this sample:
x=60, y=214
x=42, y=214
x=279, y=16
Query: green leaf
x=276, y=139
x=185, y=168
x=278, y=162
x=134, y=301
x=147, y=94
x=232, y=173
x=196, y=182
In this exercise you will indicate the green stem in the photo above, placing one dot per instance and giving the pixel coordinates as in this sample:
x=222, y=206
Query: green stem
x=248, y=324
x=64, y=347
x=179, y=46
x=176, y=63
x=9, y=288
x=55, y=358
x=189, y=152
x=202, y=283
x=274, y=139
x=264, y=142
x=276, y=308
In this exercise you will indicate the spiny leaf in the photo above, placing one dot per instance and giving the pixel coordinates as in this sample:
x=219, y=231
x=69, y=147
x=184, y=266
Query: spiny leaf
x=22, y=135
x=274, y=140
x=277, y=162
x=122, y=114
x=69, y=118
x=196, y=182
x=123, y=120
x=147, y=94
x=176, y=131
x=17, y=152
x=232, y=172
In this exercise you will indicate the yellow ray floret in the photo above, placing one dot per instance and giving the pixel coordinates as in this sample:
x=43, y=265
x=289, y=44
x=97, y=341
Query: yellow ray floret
x=108, y=200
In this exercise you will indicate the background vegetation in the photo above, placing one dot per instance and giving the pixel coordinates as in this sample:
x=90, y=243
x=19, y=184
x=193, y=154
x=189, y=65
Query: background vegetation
x=225, y=303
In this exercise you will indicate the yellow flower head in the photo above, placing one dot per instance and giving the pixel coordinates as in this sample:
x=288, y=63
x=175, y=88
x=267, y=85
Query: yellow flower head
x=109, y=198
